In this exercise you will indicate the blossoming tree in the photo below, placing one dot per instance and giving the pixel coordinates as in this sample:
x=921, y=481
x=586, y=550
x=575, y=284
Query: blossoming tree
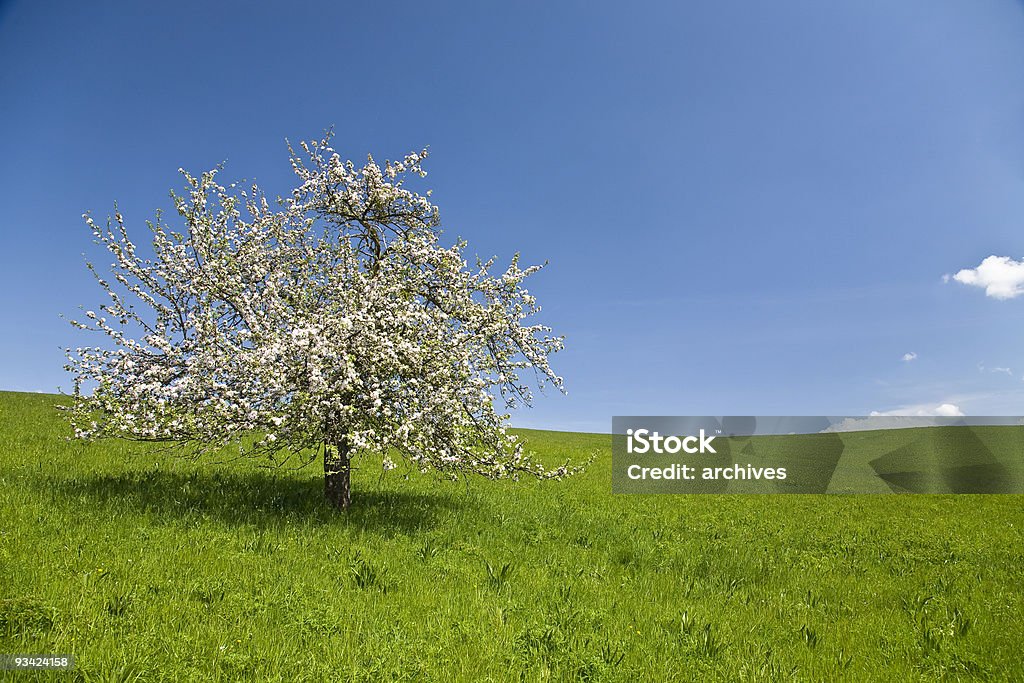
x=329, y=321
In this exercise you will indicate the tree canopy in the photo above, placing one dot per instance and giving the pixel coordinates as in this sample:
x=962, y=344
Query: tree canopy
x=331, y=320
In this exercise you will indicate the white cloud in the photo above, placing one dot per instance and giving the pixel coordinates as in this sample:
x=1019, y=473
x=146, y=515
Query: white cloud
x=1005, y=371
x=1000, y=276
x=863, y=424
x=907, y=357
x=922, y=410
x=921, y=415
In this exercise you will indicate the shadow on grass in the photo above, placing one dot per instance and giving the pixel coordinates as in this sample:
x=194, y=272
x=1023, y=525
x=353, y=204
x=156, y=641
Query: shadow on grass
x=258, y=498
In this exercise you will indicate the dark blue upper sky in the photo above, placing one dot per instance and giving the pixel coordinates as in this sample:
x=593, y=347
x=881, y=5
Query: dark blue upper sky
x=748, y=208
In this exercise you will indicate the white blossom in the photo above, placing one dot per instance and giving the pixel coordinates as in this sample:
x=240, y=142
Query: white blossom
x=334, y=313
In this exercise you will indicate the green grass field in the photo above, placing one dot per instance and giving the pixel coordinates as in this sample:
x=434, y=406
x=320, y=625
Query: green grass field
x=151, y=568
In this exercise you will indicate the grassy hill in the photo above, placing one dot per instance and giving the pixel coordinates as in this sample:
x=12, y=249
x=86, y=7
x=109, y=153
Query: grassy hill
x=146, y=567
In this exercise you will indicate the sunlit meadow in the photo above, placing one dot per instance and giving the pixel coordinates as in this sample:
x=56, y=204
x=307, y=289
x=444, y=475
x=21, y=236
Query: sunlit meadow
x=147, y=567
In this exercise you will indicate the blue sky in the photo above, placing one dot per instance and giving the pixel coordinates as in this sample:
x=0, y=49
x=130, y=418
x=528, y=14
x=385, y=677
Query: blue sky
x=748, y=208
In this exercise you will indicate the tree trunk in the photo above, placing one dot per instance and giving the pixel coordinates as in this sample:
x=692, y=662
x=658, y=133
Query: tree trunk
x=337, y=474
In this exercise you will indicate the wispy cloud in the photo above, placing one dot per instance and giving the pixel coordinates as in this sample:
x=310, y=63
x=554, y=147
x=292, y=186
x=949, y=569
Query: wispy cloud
x=921, y=410
x=860, y=424
x=1005, y=371
x=907, y=357
x=1000, y=276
